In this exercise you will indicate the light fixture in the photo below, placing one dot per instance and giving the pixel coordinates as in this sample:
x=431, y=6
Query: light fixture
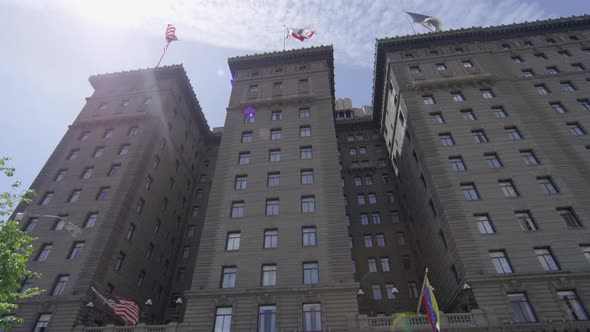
x=178, y=301
x=466, y=286
x=360, y=292
x=148, y=302
x=90, y=305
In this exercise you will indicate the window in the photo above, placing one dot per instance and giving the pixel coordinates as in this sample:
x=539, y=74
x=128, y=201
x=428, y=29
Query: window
x=60, y=175
x=244, y=158
x=312, y=317
x=437, y=118
x=305, y=152
x=468, y=115
x=564, y=54
x=568, y=86
x=74, y=196
x=552, y=70
x=380, y=240
x=499, y=112
x=73, y=154
x=585, y=103
x=529, y=158
x=156, y=162
x=237, y=209
x=310, y=273
x=304, y=131
x=558, y=108
x=31, y=224
x=267, y=316
x=108, y=133
x=309, y=236
x=350, y=242
x=303, y=84
x=233, y=241
x=98, y=152
x=457, y=96
x=42, y=322
x=304, y=113
x=249, y=118
x=269, y=275
x=253, y=89
x=376, y=217
x=572, y=305
x=385, y=266
x=307, y=204
x=76, y=250
x=546, y=259
x=246, y=136
x=578, y=67
x=446, y=139
x=513, y=133
x=90, y=220
x=368, y=241
x=470, y=191
x=362, y=150
x=114, y=170
x=517, y=59
x=372, y=198
x=130, y=232
x=479, y=136
x=391, y=290
x=528, y=73
x=459, y=50
x=87, y=172
x=271, y=238
x=487, y=93
x=500, y=261
x=119, y=261
x=521, y=308
x=413, y=289
x=428, y=100
x=190, y=231
x=414, y=70
x=364, y=219
x=132, y=131
x=60, y=285
x=525, y=220
x=223, y=319
x=467, y=63
x=277, y=86
x=492, y=160
x=353, y=151
x=47, y=198
x=508, y=188
x=360, y=199
x=569, y=217
x=150, y=251
x=547, y=185
x=441, y=67
x=241, y=182
x=369, y=180
x=372, y=265
x=484, y=225
x=376, y=289
x=164, y=204
x=148, y=182
x=228, y=278
x=103, y=194
x=273, y=179
x=575, y=129
x=275, y=134
x=540, y=56
x=401, y=239
x=272, y=207
x=157, y=226
x=395, y=217
x=542, y=89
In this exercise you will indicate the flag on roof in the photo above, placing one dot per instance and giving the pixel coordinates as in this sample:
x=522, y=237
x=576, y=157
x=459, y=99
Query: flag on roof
x=170, y=36
x=126, y=309
x=431, y=306
x=431, y=23
x=301, y=34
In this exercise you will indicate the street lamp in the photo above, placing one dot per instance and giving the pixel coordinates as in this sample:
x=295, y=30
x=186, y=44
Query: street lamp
x=146, y=308
x=178, y=304
x=74, y=230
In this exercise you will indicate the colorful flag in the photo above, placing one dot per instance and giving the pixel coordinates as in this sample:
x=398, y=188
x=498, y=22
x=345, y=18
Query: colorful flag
x=170, y=36
x=431, y=306
x=126, y=309
x=301, y=34
x=431, y=23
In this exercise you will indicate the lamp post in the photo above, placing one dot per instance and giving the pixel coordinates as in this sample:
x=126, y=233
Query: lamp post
x=146, y=309
x=74, y=230
x=178, y=304
x=89, y=307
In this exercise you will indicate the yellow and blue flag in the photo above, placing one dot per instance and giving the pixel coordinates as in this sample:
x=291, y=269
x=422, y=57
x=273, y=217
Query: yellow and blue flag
x=431, y=23
x=431, y=307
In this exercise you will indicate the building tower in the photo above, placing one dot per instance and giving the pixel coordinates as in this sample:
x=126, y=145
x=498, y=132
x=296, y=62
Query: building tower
x=129, y=172
x=274, y=251
x=486, y=129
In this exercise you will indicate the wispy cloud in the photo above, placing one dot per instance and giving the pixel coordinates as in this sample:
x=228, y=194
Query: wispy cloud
x=351, y=25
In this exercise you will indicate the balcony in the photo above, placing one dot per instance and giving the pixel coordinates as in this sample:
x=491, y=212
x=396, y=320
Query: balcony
x=171, y=327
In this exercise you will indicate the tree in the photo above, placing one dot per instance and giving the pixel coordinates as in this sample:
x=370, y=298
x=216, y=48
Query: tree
x=15, y=251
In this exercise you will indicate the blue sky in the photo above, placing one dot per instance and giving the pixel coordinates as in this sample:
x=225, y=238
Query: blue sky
x=50, y=48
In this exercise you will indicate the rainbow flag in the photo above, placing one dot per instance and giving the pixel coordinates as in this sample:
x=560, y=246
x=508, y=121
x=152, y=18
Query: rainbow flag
x=431, y=307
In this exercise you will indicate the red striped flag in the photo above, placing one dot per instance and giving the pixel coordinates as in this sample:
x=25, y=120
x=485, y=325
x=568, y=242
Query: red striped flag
x=170, y=36
x=126, y=309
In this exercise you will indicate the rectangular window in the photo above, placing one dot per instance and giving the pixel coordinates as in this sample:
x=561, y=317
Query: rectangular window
x=513, y=133
x=275, y=134
x=360, y=199
x=546, y=259
x=103, y=194
x=401, y=239
x=277, y=115
x=233, y=241
x=576, y=129
x=457, y=164
x=47, y=198
x=499, y=112
x=525, y=220
x=578, y=67
x=441, y=67
x=223, y=319
x=585, y=103
x=428, y=100
x=124, y=150
x=353, y=151
x=568, y=86
x=74, y=196
x=479, y=136
x=391, y=291
x=310, y=273
x=309, y=236
x=60, y=285
x=244, y=158
x=517, y=59
x=249, y=118
x=414, y=70
x=271, y=238
x=521, y=308
x=529, y=158
x=368, y=241
x=500, y=261
x=548, y=186
x=364, y=219
x=307, y=176
x=98, y=152
x=237, y=209
x=267, y=317
x=304, y=131
x=528, y=73
x=572, y=305
x=508, y=188
x=372, y=198
x=457, y=96
x=493, y=160
x=76, y=250
x=487, y=93
x=307, y=204
x=228, y=276
x=31, y=225
x=90, y=220
x=542, y=89
x=304, y=113
x=467, y=63
x=273, y=179
x=241, y=182
x=369, y=180
x=484, y=225
x=305, y=152
x=380, y=240
x=468, y=115
x=540, y=56
x=446, y=139
x=376, y=217
x=73, y=154
x=385, y=266
x=413, y=289
x=120, y=260
x=42, y=322
x=60, y=175
x=437, y=118
x=372, y=265
x=569, y=217
x=272, y=207
x=586, y=251
x=312, y=317
x=269, y=275
x=376, y=290
x=362, y=150
x=247, y=136
x=552, y=70
x=303, y=84
x=140, y=204
x=470, y=191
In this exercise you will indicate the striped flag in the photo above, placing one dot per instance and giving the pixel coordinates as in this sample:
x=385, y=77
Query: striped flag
x=431, y=306
x=301, y=34
x=170, y=36
x=126, y=309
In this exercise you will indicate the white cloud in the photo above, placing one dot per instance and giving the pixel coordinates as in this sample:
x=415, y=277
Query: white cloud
x=351, y=26
x=220, y=72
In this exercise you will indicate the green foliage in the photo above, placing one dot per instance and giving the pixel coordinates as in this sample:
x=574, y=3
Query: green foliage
x=15, y=250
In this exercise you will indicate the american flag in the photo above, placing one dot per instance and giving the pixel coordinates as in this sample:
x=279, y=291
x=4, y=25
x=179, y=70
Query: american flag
x=126, y=309
x=170, y=36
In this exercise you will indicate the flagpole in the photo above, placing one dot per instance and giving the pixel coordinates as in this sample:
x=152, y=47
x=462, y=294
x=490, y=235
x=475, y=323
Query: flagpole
x=422, y=291
x=285, y=37
x=107, y=302
x=409, y=23
x=162, y=57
